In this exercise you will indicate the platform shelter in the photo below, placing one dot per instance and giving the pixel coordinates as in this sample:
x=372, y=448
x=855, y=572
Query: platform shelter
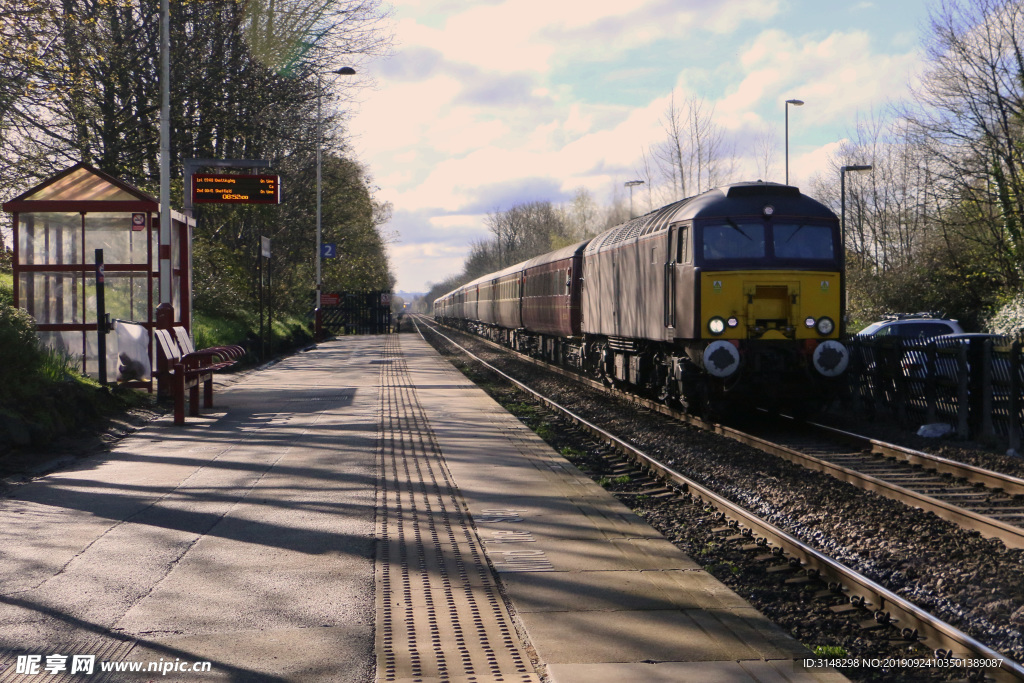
x=58, y=225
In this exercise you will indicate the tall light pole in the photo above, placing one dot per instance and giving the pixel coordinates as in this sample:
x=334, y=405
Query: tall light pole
x=344, y=71
x=842, y=216
x=631, y=184
x=795, y=103
x=842, y=199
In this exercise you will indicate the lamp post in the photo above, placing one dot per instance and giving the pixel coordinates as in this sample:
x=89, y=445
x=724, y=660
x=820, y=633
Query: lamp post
x=795, y=103
x=631, y=184
x=842, y=216
x=842, y=199
x=318, y=321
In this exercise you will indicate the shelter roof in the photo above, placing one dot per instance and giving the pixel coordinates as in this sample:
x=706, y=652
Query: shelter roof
x=83, y=188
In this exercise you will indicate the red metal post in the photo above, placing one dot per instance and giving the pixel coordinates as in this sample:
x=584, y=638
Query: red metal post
x=164, y=321
x=179, y=394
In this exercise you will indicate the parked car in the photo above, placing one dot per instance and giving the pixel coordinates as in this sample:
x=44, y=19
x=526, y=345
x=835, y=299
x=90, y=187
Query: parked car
x=911, y=326
x=909, y=329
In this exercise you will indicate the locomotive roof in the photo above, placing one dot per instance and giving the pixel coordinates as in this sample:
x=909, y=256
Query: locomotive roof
x=557, y=255
x=737, y=200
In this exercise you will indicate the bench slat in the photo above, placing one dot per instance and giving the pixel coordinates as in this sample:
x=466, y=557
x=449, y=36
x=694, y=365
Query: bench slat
x=190, y=368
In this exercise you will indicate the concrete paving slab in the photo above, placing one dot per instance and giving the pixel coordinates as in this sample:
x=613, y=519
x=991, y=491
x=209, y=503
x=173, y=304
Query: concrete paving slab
x=677, y=672
x=245, y=538
x=667, y=635
x=606, y=591
x=590, y=581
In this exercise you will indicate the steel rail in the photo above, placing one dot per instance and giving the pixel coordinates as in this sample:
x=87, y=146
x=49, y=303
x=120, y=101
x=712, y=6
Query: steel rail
x=1011, y=536
x=1010, y=485
x=941, y=635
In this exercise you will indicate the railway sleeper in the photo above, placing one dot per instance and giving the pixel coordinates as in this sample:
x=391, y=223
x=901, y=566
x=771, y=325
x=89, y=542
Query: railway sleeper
x=879, y=620
x=855, y=604
x=834, y=589
x=792, y=565
x=776, y=554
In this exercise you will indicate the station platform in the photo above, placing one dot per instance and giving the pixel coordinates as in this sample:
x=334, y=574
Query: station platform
x=358, y=512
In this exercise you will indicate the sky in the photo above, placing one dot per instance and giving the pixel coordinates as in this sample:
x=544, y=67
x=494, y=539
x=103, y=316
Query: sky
x=484, y=104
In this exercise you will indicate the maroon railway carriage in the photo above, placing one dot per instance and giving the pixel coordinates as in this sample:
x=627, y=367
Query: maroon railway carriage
x=499, y=295
x=466, y=300
x=551, y=292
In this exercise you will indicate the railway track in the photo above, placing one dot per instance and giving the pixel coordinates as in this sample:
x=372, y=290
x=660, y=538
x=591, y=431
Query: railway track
x=989, y=502
x=862, y=594
x=973, y=498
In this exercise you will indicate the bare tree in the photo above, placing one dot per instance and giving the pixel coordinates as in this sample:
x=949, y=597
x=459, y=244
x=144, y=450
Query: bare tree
x=971, y=119
x=695, y=155
x=579, y=217
x=766, y=146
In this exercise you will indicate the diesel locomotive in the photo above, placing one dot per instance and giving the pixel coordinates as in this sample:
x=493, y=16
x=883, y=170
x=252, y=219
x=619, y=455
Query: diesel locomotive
x=728, y=297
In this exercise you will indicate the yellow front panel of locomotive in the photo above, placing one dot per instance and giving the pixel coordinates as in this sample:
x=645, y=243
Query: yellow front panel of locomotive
x=770, y=300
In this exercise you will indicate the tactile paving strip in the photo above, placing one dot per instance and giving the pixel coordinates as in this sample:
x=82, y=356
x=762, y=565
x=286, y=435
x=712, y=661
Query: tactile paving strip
x=440, y=616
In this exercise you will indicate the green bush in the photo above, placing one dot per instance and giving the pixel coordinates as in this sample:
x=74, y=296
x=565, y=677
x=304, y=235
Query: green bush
x=23, y=356
x=6, y=289
x=1009, y=318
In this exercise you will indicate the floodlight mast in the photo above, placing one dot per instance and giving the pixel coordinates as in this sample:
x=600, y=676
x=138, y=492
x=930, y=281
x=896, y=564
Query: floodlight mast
x=317, y=316
x=631, y=184
x=795, y=103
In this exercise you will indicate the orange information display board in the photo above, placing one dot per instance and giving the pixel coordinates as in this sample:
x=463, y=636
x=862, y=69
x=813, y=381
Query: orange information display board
x=225, y=188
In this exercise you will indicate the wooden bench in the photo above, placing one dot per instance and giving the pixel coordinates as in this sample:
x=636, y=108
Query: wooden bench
x=189, y=368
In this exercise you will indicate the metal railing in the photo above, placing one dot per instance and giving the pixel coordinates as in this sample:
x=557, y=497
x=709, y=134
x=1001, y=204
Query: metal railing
x=971, y=382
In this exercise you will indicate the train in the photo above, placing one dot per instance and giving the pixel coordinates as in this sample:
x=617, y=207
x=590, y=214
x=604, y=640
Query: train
x=730, y=297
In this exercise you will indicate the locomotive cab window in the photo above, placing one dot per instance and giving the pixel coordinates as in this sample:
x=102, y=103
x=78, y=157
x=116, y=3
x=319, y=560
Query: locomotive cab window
x=801, y=241
x=733, y=240
x=759, y=243
x=683, y=250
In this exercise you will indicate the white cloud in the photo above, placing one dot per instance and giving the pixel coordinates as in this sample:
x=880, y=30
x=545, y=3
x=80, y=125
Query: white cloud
x=481, y=105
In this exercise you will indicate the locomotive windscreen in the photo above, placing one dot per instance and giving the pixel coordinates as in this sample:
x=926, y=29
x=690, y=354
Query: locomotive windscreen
x=801, y=241
x=733, y=240
x=758, y=243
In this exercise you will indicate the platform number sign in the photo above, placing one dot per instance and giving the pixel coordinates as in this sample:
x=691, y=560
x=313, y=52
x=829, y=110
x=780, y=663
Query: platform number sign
x=329, y=250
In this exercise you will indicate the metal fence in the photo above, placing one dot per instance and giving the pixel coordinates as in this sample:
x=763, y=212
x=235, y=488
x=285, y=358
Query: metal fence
x=359, y=313
x=970, y=381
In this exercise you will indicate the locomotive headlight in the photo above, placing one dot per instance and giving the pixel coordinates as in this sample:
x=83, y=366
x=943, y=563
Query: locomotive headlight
x=716, y=325
x=809, y=322
x=733, y=321
x=825, y=326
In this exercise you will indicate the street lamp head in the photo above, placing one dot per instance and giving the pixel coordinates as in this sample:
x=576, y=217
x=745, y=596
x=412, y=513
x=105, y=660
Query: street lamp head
x=795, y=103
x=346, y=71
x=633, y=183
x=860, y=167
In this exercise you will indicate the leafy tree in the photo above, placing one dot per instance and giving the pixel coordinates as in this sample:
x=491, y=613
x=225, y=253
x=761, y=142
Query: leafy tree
x=244, y=85
x=969, y=119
